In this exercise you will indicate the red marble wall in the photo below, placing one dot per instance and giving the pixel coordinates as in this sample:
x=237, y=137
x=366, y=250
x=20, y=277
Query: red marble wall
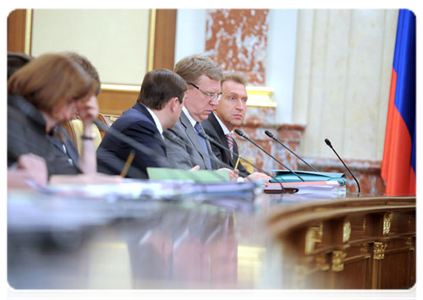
x=237, y=40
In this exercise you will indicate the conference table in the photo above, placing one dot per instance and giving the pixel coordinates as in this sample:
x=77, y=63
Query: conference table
x=192, y=237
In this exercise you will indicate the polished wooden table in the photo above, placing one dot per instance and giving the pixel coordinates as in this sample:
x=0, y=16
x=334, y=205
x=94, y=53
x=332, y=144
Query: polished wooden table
x=271, y=241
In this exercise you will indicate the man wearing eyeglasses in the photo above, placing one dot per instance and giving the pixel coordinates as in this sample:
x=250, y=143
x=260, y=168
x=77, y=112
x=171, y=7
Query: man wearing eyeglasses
x=188, y=149
x=229, y=114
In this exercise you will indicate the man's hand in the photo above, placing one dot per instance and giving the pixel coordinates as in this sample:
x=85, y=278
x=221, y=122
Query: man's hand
x=258, y=176
x=196, y=168
x=233, y=174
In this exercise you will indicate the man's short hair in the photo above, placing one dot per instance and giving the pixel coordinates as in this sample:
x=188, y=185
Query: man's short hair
x=159, y=86
x=235, y=77
x=87, y=66
x=192, y=67
x=15, y=61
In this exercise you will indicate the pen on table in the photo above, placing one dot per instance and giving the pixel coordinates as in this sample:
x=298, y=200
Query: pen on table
x=127, y=164
x=237, y=163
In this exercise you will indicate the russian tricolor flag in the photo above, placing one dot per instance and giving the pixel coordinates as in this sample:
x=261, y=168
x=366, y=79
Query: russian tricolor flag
x=399, y=156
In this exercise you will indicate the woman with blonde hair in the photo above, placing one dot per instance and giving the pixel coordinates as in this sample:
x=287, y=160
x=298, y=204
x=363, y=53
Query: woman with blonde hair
x=42, y=95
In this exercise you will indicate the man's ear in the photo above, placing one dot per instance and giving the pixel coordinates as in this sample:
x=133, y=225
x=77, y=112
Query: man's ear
x=173, y=104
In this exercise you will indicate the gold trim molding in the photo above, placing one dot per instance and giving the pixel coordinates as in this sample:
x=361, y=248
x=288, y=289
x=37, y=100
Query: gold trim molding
x=321, y=263
x=338, y=258
x=379, y=250
x=28, y=31
x=260, y=96
x=120, y=87
x=346, y=231
x=314, y=235
x=151, y=40
x=387, y=218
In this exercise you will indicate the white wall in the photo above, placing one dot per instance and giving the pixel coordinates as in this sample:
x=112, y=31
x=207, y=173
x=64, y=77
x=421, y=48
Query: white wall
x=280, y=63
x=190, y=32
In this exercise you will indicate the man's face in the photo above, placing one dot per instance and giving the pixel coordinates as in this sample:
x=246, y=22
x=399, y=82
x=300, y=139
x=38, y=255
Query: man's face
x=197, y=102
x=233, y=104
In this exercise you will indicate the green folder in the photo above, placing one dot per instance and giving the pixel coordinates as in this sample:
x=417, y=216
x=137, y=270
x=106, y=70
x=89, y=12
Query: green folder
x=196, y=176
x=287, y=176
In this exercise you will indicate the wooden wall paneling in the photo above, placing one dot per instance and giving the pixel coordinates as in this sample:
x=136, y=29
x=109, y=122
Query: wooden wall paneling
x=16, y=28
x=394, y=276
x=114, y=102
x=362, y=243
x=352, y=275
x=164, y=39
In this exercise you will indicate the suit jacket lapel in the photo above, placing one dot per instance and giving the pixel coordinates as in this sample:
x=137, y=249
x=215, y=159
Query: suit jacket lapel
x=193, y=137
x=142, y=109
x=226, y=156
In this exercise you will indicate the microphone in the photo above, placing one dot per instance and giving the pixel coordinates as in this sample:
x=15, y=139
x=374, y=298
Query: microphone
x=242, y=134
x=140, y=147
x=205, y=136
x=330, y=146
x=269, y=134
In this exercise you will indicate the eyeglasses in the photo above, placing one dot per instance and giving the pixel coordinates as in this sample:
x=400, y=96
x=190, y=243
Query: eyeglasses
x=211, y=96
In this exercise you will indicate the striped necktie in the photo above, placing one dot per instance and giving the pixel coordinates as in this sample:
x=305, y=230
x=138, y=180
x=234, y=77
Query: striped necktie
x=230, y=141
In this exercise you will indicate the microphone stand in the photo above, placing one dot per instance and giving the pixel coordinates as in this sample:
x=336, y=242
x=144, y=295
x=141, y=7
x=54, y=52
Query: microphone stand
x=242, y=134
x=330, y=146
x=205, y=136
x=269, y=134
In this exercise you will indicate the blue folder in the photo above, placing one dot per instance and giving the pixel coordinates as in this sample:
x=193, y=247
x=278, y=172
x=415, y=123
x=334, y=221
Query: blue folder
x=287, y=176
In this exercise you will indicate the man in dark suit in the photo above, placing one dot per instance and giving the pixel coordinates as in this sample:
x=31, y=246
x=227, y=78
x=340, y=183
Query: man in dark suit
x=230, y=113
x=190, y=150
x=158, y=107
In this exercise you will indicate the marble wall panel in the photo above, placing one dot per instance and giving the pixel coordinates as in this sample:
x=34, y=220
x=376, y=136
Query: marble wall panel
x=237, y=40
x=343, y=65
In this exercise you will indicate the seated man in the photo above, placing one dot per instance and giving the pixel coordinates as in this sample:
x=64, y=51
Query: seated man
x=230, y=113
x=190, y=150
x=158, y=107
